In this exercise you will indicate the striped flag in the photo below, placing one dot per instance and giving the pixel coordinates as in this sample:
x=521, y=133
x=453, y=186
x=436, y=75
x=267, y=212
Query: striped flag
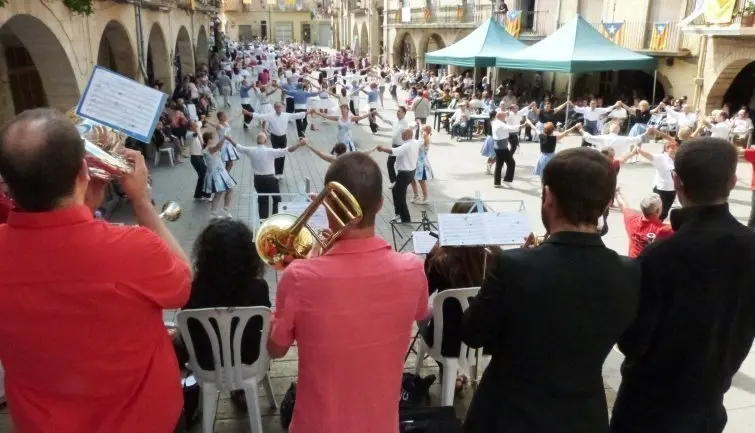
x=659, y=40
x=281, y=4
x=514, y=23
x=719, y=11
x=614, y=32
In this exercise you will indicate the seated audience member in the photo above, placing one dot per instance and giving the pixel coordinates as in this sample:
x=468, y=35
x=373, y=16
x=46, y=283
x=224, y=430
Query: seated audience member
x=350, y=318
x=453, y=268
x=6, y=203
x=551, y=314
x=82, y=338
x=228, y=272
x=645, y=227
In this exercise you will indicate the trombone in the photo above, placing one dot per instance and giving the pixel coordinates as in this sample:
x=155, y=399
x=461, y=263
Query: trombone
x=283, y=238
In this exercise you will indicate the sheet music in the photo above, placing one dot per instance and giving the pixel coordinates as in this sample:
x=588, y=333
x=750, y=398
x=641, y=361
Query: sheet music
x=423, y=242
x=121, y=103
x=506, y=228
x=462, y=229
x=319, y=219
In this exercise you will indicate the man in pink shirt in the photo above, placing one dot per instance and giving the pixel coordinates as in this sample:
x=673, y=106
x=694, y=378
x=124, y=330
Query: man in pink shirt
x=351, y=312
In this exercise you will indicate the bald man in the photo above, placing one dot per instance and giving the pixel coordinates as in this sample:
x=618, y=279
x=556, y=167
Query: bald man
x=263, y=159
x=406, y=155
x=278, y=126
x=81, y=300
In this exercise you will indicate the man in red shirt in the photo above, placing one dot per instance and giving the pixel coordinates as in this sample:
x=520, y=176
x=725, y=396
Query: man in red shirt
x=643, y=227
x=749, y=156
x=82, y=339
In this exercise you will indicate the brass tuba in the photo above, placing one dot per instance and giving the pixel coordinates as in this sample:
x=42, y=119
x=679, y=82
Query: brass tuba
x=102, y=145
x=282, y=238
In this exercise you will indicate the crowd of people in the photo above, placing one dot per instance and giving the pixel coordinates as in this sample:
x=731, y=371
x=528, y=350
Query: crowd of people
x=85, y=349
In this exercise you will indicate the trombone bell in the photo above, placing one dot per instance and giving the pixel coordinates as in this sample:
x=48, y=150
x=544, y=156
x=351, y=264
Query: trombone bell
x=283, y=238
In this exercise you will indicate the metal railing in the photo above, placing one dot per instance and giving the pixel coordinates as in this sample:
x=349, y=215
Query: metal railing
x=639, y=36
x=533, y=23
x=736, y=18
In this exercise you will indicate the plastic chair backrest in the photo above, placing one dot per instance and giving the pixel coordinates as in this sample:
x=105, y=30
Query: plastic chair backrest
x=462, y=295
x=229, y=376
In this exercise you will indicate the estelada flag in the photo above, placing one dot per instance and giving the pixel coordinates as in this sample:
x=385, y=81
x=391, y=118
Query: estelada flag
x=613, y=31
x=514, y=23
x=659, y=40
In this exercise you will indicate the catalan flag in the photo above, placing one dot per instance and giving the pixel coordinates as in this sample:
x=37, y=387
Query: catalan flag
x=719, y=11
x=614, y=32
x=514, y=23
x=659, y=39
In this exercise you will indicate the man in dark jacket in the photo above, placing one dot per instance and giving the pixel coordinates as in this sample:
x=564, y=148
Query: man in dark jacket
x=696, y=320
x=551, y=314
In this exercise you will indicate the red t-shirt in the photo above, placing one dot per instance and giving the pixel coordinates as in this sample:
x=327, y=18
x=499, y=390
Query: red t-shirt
x=638, y=228
x=82, y=338
x=750, y=157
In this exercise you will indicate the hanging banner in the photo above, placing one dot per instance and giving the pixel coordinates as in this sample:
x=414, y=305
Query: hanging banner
x=514, y=23
x=406, y=14
x=299, y=5
x=613, y=32
x=659, y=40
x=281, y=4
x=719, y=11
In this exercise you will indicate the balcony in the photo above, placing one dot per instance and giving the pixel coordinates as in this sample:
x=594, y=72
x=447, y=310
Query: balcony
x=740, y=24
x=534, y=24
x=638, y=36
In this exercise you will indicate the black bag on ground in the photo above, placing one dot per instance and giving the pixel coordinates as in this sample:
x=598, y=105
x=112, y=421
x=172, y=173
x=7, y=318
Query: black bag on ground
x=429, y=420
x=415, y=390
x=287, y=406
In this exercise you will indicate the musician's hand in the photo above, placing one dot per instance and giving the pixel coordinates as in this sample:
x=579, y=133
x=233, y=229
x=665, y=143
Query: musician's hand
x=95, y=194
x=135, y=184
x=317, y=251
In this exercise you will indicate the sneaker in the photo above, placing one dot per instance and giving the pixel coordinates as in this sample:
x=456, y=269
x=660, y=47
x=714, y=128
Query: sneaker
x=226, y=214
x=488, y=170
x=279, y=176
x=415, y=199
x=392, y=185
x=421, y=202
x=396, y=219
x=214, y=215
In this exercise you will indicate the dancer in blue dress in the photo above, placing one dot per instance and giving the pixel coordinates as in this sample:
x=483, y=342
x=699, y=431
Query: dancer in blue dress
x=344, y=126
x=217, y=179
x=424, y=171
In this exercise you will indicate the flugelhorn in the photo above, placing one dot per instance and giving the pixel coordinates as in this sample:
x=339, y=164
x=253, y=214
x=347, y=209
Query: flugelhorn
x=102, y=146
x=171, y=211
x=283, y=238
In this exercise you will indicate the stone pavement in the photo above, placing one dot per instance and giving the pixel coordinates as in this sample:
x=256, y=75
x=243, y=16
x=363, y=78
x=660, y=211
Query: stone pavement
x=459, y=171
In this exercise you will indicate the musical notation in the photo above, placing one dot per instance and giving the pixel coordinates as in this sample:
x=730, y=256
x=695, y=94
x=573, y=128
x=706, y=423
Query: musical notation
x=488, y=228
x=121, y=103
x=423, y=242
x=319, y=219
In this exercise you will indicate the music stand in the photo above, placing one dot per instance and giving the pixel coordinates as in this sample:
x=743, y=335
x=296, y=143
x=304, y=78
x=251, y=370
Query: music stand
x=425, y=225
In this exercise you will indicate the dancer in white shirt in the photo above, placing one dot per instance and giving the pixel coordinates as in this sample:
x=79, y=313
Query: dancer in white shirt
x=503, y=154
x=278, y=127
x=591, y=115
x=406, y=155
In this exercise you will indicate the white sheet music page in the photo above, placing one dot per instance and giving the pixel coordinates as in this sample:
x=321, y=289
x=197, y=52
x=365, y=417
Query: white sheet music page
x=423, y=242
x=506, y=228
x=122, y=104
x=461, y=229
x=319, y=219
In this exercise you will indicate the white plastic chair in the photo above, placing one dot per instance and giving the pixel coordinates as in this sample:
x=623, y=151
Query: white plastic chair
x=168, y=150
x=234, y=375
x=450, y=365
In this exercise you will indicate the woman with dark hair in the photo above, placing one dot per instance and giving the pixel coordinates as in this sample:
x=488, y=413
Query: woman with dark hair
x=228, y=272
x=453, y=268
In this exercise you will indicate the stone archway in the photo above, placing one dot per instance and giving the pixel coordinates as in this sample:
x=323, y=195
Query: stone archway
x=158, y=59
x=184, y=54
x=116, y=52
x=364, y=41
x=429, y=43
x=722, y=82
x=35, y=70
x=404, y=51
x=203, y=47
x=355, y=39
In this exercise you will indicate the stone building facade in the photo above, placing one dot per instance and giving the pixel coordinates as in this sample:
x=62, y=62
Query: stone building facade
x=48, y=53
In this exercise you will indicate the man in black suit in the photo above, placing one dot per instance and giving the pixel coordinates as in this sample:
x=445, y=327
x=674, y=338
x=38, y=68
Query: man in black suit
x=551, y=314
x=696, y=320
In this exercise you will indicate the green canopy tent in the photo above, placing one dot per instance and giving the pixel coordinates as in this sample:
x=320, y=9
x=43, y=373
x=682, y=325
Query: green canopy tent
x=577, y=47
x=480, y=48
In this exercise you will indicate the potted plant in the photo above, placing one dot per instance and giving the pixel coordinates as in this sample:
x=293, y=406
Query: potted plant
x=748, y=14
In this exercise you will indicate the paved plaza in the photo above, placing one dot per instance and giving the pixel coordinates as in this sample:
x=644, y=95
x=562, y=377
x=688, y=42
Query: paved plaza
x=459, y=171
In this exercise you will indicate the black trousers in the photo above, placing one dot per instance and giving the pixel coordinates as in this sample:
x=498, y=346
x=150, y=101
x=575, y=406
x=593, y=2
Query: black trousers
x=290, y=105
x=403, y=179
x=301, y=124
x=197, y=161
x=422, y=120
x=667, y=199
x=352, y=108
x=751, y=221
x=267, y=184
x=373, y=122
x=279, y=142
x=247, y=107
x=513, y=142
x=639, y=419
x=392, y=167
x=528, y=133
x=504, y=156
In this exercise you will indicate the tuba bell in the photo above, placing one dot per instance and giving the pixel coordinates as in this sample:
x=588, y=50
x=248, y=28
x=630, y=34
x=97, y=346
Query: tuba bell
x=283, y=238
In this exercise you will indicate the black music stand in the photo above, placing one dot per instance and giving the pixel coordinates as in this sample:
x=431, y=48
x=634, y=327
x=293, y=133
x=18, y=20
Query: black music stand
x=425, y=225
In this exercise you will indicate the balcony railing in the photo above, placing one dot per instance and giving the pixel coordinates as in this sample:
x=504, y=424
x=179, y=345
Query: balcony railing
x=738, y=24
x=640, y=36
x=535, y=23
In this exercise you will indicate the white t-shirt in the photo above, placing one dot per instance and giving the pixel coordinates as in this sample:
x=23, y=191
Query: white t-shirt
x=407, y=155
x=664, y=165
x=194, y=143
x=720, y=130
